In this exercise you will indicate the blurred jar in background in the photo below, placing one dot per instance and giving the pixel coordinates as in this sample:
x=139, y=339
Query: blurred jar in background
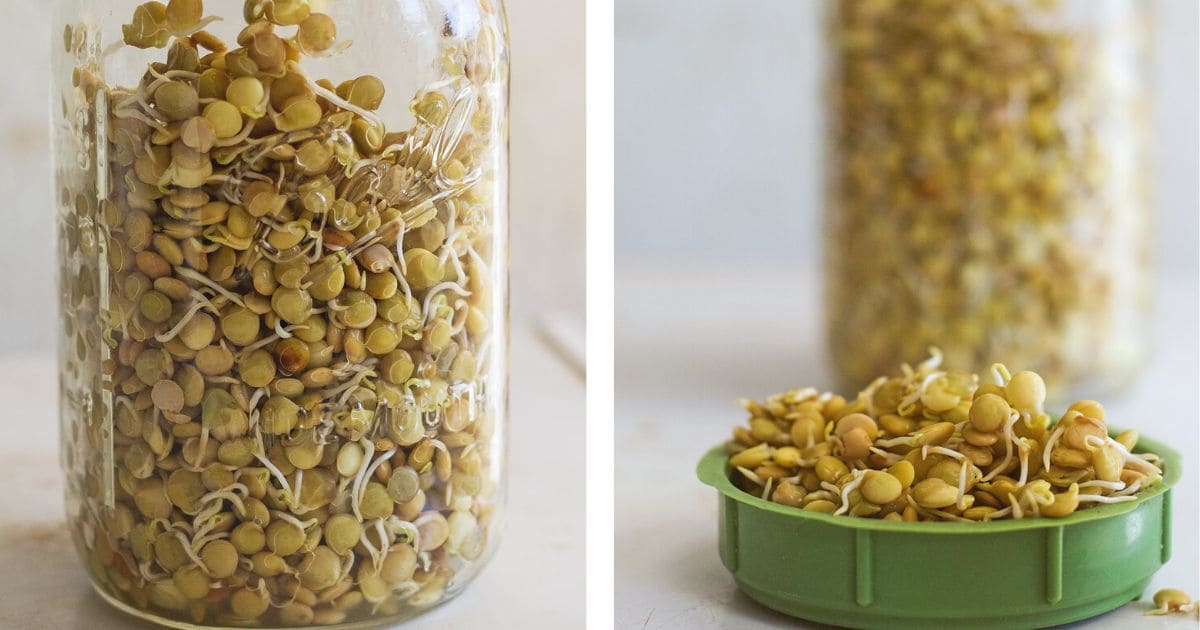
x=986, y=189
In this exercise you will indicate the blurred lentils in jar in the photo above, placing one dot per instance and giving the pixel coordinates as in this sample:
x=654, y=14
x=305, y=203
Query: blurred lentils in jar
x=283, y=304
x=986, y=186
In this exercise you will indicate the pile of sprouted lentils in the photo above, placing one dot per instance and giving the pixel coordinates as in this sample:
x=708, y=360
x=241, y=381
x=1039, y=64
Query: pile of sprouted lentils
x=278, y=322
x=935, y=444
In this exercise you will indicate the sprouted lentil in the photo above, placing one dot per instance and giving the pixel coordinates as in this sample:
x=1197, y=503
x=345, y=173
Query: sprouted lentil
x=1171, y=600
x=278, y=321
x=977, y=193
x=981, y=452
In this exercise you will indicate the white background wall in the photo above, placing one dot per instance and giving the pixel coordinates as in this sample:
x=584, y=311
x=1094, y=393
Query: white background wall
x=719, y=131
x=547, y=166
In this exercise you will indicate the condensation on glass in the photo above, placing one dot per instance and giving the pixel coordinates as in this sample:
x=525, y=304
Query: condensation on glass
x=282, y=239
x=986, y=186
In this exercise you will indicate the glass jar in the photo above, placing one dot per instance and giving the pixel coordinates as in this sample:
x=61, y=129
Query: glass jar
x=986, y=186
x=282, y=237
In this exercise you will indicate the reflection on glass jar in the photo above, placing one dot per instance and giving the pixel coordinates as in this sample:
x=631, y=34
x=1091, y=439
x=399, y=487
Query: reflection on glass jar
x=986, y=190
x=282, y=247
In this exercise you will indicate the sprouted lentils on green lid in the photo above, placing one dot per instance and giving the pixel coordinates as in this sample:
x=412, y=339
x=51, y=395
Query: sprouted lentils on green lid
x=937, y=444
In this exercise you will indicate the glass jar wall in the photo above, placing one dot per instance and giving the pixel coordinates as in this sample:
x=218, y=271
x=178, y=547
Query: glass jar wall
x=282, y=237
x=986, y=186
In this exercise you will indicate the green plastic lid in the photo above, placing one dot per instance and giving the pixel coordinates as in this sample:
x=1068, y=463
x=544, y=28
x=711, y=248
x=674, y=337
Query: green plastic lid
x=871, y=573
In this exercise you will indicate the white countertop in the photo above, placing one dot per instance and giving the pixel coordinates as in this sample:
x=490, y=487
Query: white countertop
x=535, y=580
x=690, y=341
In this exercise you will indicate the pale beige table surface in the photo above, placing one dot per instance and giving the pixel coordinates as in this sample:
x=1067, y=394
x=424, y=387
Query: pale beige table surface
x=535, y=580
x=692, y=339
